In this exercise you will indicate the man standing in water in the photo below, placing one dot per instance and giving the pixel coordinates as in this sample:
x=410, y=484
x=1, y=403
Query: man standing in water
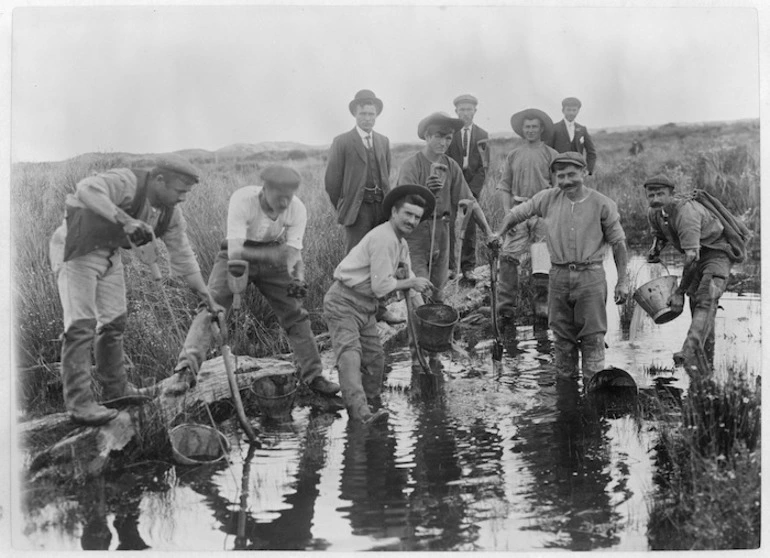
x=368, y=273
x=579, y=223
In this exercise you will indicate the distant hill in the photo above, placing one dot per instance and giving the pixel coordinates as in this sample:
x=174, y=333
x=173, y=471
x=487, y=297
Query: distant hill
x=240, y=149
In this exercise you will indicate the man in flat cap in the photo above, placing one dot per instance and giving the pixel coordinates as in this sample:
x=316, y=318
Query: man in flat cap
x=372, y=271
x=526, y=171
x=111, y=210
x=568, y=135
x=465, y=150
x=580, y=222
x=265, y=227
x=357, y=176
x=431, y=167
x=710, y=246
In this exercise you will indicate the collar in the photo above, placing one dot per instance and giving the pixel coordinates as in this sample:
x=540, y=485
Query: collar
x=469, y=128
x=364, y=134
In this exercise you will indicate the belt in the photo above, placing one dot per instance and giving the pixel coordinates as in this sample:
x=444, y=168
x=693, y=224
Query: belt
x=580, y=266
x=251, y=243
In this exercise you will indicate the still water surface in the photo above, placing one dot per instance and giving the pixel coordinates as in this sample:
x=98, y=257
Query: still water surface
x=510, y=463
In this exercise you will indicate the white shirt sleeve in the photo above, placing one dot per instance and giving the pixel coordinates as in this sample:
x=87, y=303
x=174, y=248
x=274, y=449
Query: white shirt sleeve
x=296, y=224
x=238, y=216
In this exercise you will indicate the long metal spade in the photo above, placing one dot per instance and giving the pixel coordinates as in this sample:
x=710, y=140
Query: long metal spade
x=497, y=348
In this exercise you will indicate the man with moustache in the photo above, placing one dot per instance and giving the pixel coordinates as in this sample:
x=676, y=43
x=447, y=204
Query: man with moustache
x=357, y=176
x=579, y=223
x=464, y=149
x=568, y=135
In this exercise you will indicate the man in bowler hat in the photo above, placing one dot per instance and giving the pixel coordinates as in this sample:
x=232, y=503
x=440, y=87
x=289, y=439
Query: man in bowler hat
x=568, y=135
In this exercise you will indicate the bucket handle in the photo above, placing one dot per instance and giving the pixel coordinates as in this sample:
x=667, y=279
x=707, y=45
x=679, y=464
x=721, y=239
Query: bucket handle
x=636, y=275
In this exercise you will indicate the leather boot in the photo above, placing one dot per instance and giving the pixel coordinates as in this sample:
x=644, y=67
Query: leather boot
x=306, y=353
x=565, y=359
x=76, y=376
x=701, y=328
x=108, y=353
x=592, y=350
x=349, y=366
x=507, y=287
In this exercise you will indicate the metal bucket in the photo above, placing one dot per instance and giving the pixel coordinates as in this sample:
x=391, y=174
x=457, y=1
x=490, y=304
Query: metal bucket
x=541, y=259
x=275, y=395
x=435, y=324
x=196, y=444
x=653, y=298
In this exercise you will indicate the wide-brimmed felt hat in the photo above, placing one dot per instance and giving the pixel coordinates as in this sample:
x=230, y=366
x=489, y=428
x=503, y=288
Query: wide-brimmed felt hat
x=570, y=157
x=517, y=122
x=441, y=119
x=659, y=180
x=365, y=95
x=404, y=190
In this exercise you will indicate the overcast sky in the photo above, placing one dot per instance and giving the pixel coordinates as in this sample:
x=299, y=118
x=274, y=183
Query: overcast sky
x=149, y=79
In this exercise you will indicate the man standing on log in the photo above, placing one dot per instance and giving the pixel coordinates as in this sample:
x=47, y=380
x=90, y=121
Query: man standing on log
x=464, y=149
x=368, y=273
x=579, y=223
x=709, y=249
x=526, y=171
x=265, y=227
x=107, y=211
x=357, y=177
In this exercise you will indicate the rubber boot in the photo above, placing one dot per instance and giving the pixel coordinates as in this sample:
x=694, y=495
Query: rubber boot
x=592, y=351
x=309, y=361
x=76, y=376
x=349, y=365
x=701, y=328
x=507, y=293
x=108, y=353
x=565, y=359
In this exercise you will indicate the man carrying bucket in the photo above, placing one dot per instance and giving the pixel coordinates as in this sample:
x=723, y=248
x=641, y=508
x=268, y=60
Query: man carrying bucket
x=368, y=273
x=708, y=255
x=579, y=222
x=429, y=243
x=265, y=228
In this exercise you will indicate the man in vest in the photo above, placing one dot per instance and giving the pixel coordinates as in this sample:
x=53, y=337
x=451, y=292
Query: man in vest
x=698, y=234
x=105, y=212
x=265, y=227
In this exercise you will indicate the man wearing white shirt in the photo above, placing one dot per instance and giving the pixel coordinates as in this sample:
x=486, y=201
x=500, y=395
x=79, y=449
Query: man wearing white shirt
x=265, y=227
x=568, y=135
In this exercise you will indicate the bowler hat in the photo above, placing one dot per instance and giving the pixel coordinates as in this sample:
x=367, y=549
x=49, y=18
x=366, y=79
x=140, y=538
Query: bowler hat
x=571, y=102
x=279, y=175
x=404, y=190
x=658, y=181
x=569, y=157
x=179, y=165
x=517, y=121
x=365, y=95
x=466, y=98
x=440, y=119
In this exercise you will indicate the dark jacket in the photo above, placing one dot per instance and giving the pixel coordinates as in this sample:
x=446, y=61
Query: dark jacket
x=581, y=143
x=346, y=172
x=475, y=174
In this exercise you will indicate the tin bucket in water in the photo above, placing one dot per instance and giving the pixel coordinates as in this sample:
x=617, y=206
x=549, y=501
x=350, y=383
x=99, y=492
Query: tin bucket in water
x=541, y=259
x=653, y=298
x=435, y=324
x=196, y=444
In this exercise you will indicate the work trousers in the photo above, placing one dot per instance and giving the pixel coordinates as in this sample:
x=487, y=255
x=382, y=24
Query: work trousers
x=93, y=298
x=436, y=261
x=272, y=282
x=357, y=346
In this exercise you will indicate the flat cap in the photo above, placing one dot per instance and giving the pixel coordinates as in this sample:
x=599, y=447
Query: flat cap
x=466, y=98
x=279, y=175
x=571, y=102
x=440, y=119
x=571, y=158
x=179, y=165
x=658, y=181
x=365, y=96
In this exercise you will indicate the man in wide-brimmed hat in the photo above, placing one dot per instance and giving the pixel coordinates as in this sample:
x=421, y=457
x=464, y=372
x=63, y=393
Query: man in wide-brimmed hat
x=581, y=222
x=370, y=272
x=568, y=135
x=526, y=171
x=465, y=150
x=429, y=243
x=357, y=176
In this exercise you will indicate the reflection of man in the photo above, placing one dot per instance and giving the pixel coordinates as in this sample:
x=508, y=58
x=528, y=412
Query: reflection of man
x=265, y=227
x=526, y=171
x=697, y=233
x=579, y=223
x=357, y=176
x=568, y=135
x=368, y=273
x=464, y=149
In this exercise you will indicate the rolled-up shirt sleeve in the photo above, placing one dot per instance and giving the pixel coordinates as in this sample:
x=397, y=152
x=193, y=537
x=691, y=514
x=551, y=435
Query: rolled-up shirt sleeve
x=180, y=253
x=688, y=225
x=238, y=214
x=295, y=227
x=381, y=268
x=611, y=227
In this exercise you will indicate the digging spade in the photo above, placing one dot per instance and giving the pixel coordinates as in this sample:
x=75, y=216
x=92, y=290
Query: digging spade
x=464, y=216
x=237, y=279
x=148, y=254
x=497, y=348
x=403, y=273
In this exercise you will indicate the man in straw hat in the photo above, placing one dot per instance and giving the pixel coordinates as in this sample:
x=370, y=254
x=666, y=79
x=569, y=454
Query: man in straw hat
x=568, y=135
x=580, y=222
x=265, y=227
x=367, y=274
x=111, y=210
x=465, y=150
x=429, y=243
x=701, y=236
x=357, y=176
x=526, y=171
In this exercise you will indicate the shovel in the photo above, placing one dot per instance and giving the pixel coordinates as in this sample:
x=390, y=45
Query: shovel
x=497, y=348
x=237, y=279
x=464, y=216
x=148, y=254
x=403, y=273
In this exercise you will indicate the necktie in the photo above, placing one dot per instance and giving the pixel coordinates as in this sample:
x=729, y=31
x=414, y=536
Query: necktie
x=465, y=140
x=368, y=142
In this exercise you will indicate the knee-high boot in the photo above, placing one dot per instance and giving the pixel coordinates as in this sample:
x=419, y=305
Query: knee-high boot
x=592, y=350
x=108, y=353
x=565, y=359
x=507, y=288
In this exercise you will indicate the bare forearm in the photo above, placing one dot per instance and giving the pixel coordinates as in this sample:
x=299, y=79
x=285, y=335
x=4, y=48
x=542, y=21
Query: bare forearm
x=688, y=273
x=620, y=254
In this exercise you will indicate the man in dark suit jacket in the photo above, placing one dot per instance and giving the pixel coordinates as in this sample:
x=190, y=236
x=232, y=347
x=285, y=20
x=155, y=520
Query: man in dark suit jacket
x=465, y=150
x=357, y=176
x=568, y=135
